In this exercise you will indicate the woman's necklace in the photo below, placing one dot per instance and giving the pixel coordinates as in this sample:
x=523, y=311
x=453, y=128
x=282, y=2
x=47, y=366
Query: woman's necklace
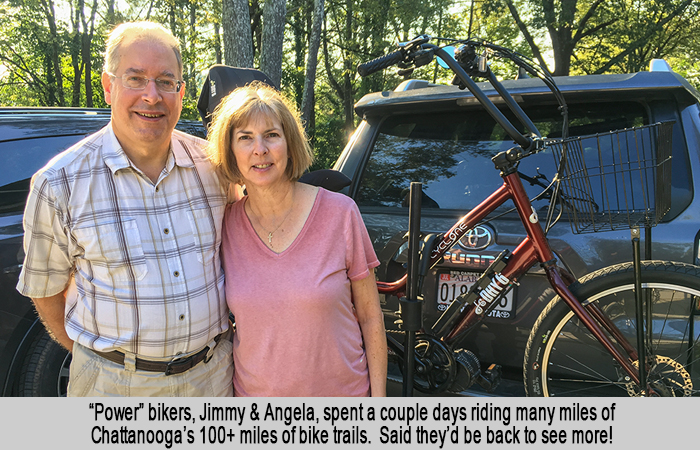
x=270, y=233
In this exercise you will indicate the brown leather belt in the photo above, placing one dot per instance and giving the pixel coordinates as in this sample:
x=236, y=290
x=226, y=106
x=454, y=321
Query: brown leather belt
x=173, y=367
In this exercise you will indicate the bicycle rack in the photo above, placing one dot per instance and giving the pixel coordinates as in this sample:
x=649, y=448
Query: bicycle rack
x=640, y=302
x=410, y=306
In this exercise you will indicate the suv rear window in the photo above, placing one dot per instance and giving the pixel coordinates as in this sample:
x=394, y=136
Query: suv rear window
x=450, y=153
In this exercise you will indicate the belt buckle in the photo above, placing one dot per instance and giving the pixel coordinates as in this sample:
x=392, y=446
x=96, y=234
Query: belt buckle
x=168, y=368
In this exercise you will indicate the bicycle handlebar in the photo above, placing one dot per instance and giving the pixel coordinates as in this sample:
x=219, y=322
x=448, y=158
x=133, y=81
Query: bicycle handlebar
x=380, y=63
x=524, y=141
x=419, y=52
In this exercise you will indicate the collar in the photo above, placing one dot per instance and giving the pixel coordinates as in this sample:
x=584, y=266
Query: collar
x=116, y=159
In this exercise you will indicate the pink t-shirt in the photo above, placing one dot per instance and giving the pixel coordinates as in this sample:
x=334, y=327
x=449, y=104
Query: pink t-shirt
x=296, y=330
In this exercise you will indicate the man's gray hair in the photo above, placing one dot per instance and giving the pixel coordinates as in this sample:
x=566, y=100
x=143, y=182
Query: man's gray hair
x=138, y=31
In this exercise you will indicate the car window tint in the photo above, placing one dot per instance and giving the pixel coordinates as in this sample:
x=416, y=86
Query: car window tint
x=20, y=160
x=450, y=153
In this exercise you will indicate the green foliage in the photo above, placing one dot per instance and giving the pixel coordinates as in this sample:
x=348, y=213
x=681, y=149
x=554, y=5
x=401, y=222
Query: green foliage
x=189, y=109
x=355, y=31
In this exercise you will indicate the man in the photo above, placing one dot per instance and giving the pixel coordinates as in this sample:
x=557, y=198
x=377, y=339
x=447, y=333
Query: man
x=122, y=235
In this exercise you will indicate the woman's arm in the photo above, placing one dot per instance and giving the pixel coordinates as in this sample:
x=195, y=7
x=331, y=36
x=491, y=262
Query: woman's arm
x=369, y=315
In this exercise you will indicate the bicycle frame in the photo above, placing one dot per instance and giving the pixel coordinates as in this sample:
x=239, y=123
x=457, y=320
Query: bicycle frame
x=533, y=249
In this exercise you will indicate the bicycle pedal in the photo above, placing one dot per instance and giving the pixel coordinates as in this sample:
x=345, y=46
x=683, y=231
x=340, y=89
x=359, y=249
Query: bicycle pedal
x=490, y=378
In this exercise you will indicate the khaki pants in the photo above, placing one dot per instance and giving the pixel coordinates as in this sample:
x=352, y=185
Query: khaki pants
x=93, y=376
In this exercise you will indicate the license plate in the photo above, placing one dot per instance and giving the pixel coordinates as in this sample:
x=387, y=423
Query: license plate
x=456, y=282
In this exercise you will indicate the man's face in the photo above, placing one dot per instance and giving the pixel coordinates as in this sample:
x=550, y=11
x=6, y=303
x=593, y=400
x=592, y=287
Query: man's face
x=143, y=119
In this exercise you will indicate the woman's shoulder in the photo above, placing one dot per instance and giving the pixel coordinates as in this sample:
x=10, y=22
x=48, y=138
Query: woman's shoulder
x=234, y=208
x=335, y=201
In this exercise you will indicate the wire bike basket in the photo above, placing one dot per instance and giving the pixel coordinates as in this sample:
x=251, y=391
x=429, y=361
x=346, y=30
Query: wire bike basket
x=615, y=180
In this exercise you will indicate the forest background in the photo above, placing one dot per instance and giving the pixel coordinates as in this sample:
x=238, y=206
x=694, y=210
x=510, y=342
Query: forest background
x=51, y=51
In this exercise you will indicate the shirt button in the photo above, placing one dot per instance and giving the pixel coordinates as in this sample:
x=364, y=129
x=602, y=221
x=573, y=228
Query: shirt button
x=176, y=273
x=157, y=189
x=182, y=317
x=166, y=230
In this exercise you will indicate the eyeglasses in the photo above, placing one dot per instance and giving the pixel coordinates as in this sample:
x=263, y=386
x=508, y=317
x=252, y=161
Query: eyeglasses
x=138, y=83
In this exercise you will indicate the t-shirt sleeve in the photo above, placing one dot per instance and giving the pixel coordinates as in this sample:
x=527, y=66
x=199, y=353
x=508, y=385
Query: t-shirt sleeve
x=47, y=267
x=360, y=253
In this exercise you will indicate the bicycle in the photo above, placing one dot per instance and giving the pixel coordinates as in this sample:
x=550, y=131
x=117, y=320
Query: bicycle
x=586, y=340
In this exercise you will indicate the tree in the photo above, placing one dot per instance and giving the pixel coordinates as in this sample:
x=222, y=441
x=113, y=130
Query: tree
x=307, y=102
x=81, y=51
x=274, y=13
x=32, y=44
x=566, y=21
x=651, y=30
x=238, y=43
x=574, y=23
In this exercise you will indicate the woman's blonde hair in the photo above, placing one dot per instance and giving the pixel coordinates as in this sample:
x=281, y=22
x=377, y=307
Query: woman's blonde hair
x=252, y=102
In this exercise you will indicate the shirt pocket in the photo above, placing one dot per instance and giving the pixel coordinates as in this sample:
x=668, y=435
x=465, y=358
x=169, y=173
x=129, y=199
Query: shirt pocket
x=206, y=231
x=113, y=251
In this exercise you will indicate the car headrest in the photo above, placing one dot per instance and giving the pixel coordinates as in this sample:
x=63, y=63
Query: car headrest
x=326, y=178
x=220, y=81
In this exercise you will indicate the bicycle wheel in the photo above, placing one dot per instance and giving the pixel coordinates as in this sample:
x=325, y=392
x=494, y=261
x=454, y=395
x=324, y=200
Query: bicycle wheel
x=562, y=358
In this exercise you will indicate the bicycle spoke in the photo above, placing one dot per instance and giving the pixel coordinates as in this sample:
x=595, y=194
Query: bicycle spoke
x=592, y=386
x=576, y=371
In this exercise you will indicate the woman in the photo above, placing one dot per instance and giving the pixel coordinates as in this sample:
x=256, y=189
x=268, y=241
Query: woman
x=298, y=261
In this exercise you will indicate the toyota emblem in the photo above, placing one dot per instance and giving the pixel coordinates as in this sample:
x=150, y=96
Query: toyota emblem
x=478, y=238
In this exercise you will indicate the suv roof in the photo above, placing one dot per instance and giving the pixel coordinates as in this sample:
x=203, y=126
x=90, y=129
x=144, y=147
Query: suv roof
x=32, y=123
x=436, y=97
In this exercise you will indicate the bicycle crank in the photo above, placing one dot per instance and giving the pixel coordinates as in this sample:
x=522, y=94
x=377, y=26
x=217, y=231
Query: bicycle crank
x=436, y=368
x=666, y=378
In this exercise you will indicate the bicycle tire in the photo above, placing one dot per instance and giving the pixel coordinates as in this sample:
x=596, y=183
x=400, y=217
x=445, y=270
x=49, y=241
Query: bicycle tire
x=562, y=358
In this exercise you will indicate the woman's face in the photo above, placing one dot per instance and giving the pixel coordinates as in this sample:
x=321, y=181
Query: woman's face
x=260, y=149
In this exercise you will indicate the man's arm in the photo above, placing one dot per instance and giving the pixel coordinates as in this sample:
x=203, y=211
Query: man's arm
x=52, y=313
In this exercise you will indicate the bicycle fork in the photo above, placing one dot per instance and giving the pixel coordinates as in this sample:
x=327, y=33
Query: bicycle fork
x=591, y=315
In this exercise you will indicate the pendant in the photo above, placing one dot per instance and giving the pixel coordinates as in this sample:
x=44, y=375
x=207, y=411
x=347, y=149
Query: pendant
x=269, y=238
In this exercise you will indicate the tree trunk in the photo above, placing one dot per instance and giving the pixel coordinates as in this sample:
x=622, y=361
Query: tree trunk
x=75, y=51
x=217, y=42
x=55, y=51
x=109, y=16
x=307, y=98
x=274, y=14
x=526, y=33
x=87, y=55
x=192, y=81
x=348, y=98
x=238, y=44
x=171, y=19
x=256, y=25
x=301, y=28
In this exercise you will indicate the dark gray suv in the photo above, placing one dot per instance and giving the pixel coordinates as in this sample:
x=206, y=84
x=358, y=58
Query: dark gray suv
x=441, y=136
x=31, y=364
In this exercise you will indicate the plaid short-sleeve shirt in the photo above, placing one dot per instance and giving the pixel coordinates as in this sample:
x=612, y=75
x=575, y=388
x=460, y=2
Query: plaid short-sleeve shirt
x=144, y=255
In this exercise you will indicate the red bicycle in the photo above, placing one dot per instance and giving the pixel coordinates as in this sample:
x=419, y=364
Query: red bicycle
x=591, y=338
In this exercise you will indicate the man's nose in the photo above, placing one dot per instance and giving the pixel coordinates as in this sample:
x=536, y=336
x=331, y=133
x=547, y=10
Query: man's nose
x=151, y=93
